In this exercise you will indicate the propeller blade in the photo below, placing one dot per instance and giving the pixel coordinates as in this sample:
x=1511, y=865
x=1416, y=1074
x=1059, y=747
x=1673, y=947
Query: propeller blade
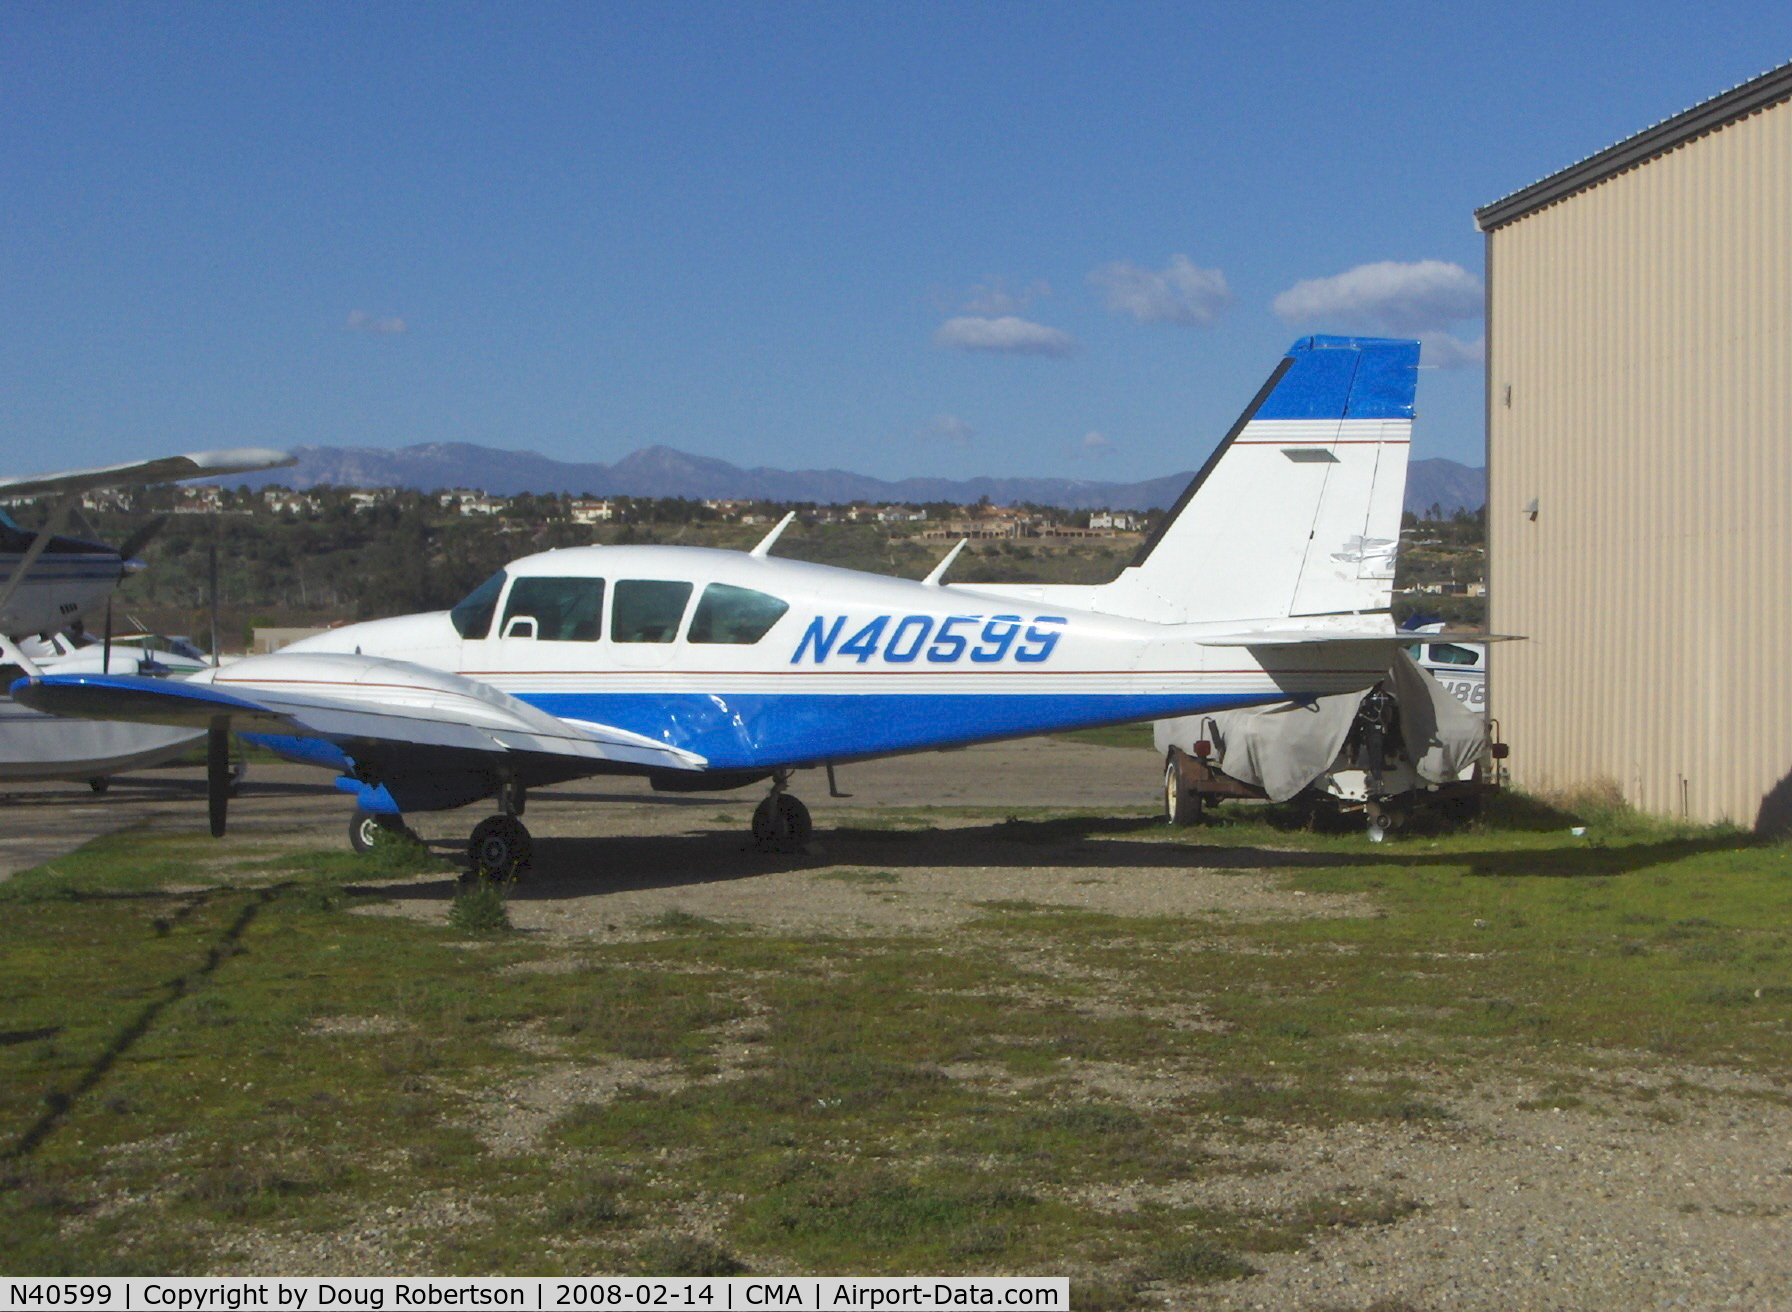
x=217, y=773
x=140, y=539
x=106, y=653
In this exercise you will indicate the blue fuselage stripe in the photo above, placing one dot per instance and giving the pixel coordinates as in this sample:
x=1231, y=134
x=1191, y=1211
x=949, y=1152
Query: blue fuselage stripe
x=762, y=730
x=766, y=731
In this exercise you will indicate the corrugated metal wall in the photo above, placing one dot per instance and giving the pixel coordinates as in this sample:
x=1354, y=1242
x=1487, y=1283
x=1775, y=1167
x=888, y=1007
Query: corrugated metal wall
x=1639, y=377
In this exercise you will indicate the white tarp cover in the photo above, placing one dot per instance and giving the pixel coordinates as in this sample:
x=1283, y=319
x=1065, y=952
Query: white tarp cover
x=1284, y=748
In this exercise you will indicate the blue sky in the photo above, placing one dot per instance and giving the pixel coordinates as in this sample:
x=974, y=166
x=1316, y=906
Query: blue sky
x=914, y=239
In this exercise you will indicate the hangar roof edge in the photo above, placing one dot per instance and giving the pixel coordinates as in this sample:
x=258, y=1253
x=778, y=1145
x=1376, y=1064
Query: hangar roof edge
x=1720, y=111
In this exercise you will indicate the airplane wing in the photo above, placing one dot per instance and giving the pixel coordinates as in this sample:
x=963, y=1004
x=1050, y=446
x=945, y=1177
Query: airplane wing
x=365, y=704
x=164, y=469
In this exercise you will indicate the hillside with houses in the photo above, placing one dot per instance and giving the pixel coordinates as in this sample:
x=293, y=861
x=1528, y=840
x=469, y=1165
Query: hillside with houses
x=305, y=558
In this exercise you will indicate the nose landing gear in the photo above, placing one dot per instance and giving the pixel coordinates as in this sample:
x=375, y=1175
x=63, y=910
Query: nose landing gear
x=365, y=829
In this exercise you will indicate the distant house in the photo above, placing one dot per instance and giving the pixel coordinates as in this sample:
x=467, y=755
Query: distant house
x=106, y=498
x=1120, y=521
x=370, y=498
x=198, y=500
x=589, y=510
x=284, y=501
x=471, y=501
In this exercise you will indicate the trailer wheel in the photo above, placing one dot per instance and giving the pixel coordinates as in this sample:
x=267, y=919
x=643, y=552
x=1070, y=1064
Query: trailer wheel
x=1182, y=806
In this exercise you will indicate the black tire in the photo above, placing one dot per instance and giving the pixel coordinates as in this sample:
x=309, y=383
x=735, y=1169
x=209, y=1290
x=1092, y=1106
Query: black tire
x=500, y=848
x=1181, y=806
x=781, y=820
x=365, y=829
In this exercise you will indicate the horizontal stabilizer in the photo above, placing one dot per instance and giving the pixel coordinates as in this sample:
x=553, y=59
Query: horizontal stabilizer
x=1311, y=637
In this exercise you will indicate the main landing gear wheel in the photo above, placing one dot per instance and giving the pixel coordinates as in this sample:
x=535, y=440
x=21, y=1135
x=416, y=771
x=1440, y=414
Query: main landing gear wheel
x=365, y=829
x=500, y=848
x=1181, y=805
x=781, y=819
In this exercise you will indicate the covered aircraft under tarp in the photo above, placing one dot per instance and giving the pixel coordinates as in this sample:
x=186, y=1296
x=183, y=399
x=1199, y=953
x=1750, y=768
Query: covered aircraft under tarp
x=1281, y=750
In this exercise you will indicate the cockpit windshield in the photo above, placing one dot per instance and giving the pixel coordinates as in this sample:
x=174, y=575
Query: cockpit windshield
x=473, y=616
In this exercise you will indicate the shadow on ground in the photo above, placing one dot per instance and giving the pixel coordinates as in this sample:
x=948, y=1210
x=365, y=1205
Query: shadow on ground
x=580, y=867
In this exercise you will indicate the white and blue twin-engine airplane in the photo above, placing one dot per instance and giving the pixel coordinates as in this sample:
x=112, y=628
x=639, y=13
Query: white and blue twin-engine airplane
x=1269, y=581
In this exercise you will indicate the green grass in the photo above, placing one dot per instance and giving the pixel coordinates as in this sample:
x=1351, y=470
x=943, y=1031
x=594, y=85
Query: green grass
x=199, y=1051
x=1114, y=735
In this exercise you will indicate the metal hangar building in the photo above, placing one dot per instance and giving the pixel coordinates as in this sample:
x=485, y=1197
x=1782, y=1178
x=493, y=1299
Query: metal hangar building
x=1639, y=462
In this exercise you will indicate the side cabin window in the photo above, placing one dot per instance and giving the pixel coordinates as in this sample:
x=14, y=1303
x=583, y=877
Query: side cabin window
x=472, y=617
x=564, y=609
x=729, y=614
x=647, y=610
x=1448, y=653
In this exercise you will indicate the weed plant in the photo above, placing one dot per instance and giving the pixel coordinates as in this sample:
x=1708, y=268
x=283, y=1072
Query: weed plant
x=480, y=907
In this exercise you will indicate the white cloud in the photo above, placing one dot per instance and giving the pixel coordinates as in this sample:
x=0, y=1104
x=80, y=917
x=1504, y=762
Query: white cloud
x=389, y=326
x=1007, y=334
x=1409, y=300
x=1093, y=445
x=1420, y=300
x=1179, y=293
x=947, y=428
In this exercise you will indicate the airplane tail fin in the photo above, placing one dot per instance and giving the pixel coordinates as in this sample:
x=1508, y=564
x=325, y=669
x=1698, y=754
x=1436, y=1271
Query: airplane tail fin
x=1297, y=511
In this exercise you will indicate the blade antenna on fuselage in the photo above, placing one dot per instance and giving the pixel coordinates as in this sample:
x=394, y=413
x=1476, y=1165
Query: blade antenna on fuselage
x=765, y=543
x=937, y=577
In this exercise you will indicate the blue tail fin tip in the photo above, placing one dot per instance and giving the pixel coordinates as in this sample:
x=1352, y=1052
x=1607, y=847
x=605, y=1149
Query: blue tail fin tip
x=1346, y=378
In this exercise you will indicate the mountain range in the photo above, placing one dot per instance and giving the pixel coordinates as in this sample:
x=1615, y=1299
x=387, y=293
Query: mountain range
x=661, y=471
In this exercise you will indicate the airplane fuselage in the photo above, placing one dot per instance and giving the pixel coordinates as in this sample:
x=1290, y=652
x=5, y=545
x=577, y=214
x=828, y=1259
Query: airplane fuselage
x=756, y=663
x=70, y=580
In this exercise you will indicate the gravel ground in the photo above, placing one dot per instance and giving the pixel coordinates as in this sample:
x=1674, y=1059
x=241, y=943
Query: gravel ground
x=1680, y=1201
